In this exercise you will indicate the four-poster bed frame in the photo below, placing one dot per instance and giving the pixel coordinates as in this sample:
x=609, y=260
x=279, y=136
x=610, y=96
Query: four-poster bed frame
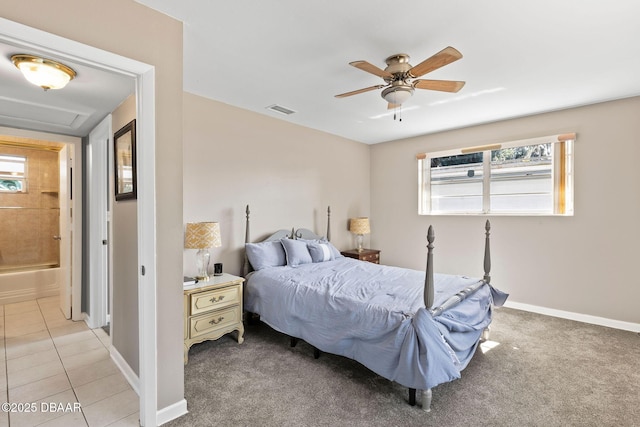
x=428, y=281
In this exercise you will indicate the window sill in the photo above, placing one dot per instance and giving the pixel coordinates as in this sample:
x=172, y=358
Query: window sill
x=496, y=214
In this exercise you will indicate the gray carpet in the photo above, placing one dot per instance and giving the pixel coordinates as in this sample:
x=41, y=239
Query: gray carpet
x=541, y=371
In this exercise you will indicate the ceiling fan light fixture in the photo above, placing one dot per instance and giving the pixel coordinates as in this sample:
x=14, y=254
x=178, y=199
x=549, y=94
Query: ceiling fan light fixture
x=397, y=94
x=46, y=73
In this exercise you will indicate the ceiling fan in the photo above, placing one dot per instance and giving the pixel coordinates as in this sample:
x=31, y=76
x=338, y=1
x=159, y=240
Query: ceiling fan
x=401, y=77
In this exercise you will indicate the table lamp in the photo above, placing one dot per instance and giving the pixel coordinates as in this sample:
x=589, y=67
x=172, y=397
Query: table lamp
x=359, y=227
x=202, y=236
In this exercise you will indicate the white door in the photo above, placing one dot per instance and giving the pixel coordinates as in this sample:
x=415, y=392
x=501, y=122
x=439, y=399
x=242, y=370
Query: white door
x=65, y=236
x=97, y=200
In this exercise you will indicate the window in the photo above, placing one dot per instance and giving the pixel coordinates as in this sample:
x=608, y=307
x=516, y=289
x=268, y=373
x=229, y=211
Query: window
x=529, y=177
x=13, y=174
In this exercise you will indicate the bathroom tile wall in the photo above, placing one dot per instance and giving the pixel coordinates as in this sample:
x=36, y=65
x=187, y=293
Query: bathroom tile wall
x=30, y=219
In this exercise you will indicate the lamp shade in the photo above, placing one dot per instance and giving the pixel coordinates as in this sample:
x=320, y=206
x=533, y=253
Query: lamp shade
x=359, y=225
x=202, y=235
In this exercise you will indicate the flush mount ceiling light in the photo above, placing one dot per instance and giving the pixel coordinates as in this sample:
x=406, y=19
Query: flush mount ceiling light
x=46, y=73
x=397, y=93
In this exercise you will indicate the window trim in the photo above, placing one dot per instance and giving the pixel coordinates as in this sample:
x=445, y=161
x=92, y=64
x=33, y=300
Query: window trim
x=11, y=177
x=563, y=178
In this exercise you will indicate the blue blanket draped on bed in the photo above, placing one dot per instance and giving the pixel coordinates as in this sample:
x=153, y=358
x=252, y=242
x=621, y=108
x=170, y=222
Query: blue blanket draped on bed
x=375, y=314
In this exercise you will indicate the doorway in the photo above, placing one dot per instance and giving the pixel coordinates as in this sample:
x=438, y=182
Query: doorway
x=144, y=76
x=38, y=230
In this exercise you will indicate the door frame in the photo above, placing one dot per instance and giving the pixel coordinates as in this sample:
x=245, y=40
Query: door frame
x=72, y=269
x=67, y=231
x=97, y=167
x=144, y=75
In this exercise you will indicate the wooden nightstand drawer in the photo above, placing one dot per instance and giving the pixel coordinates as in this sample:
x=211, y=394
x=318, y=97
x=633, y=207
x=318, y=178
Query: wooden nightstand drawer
x=369, y=255
x=219, y=319
x=212, y=300
x=212, y=309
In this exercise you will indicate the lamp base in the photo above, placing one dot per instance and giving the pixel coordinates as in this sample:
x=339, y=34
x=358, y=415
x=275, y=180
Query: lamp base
x=202, y=263
x=359, y=247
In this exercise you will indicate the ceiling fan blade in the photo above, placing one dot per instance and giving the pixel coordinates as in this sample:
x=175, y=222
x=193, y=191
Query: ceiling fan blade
x=441, y=85
x=440, y=59
x=355, y=92
x=370, y=68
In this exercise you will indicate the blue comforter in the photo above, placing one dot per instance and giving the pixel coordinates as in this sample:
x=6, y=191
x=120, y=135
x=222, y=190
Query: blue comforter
x=375, y=314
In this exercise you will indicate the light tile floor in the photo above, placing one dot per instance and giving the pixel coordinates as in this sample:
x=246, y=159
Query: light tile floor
x=59, y=369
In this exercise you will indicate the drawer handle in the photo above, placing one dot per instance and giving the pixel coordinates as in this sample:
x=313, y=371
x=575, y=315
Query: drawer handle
x=215, y=300
x=215, y=322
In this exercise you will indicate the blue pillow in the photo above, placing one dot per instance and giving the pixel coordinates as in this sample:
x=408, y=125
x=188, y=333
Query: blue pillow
x=297, y=252
x=335, y=253
x=320, y=251
x=265, y=254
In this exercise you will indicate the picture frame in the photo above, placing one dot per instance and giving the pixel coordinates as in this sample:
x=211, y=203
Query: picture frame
x=124, y=161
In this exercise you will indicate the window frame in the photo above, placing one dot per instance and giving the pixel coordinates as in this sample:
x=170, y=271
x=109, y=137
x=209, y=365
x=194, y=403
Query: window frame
x=562, y=176
x=11, y=177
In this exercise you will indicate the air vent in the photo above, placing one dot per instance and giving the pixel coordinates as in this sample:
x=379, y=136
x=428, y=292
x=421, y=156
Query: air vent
x=280, y=109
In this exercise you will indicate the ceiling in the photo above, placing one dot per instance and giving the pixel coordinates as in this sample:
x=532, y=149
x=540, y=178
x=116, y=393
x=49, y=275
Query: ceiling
x=519, y=58
x=74, y=110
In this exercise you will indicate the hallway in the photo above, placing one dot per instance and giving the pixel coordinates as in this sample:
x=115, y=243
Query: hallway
x=60, y=370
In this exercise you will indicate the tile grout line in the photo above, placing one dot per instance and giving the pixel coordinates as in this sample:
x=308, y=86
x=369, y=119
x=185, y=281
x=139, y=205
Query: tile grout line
x=118, y=373
x=56, y=348
x=73, y=390
x=67, y=374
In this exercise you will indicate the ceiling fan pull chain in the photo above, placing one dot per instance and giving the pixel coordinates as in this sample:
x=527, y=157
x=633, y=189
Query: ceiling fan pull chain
x=398, y=115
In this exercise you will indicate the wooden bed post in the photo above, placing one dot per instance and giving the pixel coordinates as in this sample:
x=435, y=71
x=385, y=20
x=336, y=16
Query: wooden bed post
x=487, y=269
x=247, y=239
x=487, y=253
x=428, y=279
x=329, y=223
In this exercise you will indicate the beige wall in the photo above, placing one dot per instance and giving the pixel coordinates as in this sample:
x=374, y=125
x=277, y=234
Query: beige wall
x=124, y=326
x=582, y=264
x=135, y=31
x=288, y=174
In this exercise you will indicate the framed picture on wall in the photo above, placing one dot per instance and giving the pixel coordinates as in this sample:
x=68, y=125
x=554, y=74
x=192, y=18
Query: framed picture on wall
x=124, y=160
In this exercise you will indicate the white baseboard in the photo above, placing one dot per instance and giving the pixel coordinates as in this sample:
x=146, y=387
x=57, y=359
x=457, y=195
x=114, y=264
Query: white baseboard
x=163, y=415
x=172, y=412
x=89, y=321
x=585, y=318
x=126, y=370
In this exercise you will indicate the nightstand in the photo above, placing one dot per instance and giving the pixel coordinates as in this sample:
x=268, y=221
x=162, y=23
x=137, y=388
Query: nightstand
x=371, y=255
x=212, y=309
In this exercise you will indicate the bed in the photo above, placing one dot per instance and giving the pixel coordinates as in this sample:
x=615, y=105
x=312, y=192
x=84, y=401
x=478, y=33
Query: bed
x=416, y=328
